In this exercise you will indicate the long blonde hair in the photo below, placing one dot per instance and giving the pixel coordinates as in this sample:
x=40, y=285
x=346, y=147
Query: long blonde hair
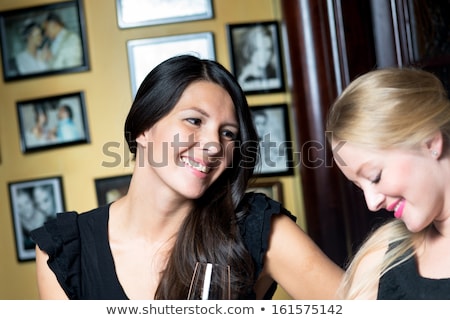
x=385, y=109
x=393, y=231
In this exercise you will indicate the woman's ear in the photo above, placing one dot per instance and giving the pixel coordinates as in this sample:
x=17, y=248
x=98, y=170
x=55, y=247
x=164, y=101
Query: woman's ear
x=435, y=144
x=143, y=138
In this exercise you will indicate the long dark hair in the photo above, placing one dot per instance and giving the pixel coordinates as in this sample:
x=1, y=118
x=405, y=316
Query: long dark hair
x=210, y=233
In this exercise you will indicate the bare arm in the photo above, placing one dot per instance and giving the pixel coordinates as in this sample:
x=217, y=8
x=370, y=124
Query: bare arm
x=297, y=263
x=48, y=286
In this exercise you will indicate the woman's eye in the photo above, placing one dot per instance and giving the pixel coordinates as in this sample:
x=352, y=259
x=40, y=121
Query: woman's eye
x=377, y=179
x=194, y=121
x=229, y=135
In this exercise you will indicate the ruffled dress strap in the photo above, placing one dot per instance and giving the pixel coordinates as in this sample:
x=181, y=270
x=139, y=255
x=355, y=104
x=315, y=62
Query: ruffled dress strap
x=255, y=227
x=59, y=238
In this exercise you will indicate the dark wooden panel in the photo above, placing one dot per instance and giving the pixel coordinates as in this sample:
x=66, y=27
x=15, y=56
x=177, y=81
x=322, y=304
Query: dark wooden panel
x=336, y=215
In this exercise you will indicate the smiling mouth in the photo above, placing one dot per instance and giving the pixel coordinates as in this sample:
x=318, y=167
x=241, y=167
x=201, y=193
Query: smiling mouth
x=397, y=208
x=196, y=165
x=394, y=206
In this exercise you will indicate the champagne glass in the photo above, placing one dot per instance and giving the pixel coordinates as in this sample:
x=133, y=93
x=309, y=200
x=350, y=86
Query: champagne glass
x=210, y=281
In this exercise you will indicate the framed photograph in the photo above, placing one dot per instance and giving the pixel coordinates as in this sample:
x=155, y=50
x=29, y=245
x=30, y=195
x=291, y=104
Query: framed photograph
x=112, y=188
x=273, y=189
x=52, y=122
x=145, y=54
x=33, y=202
x=275, y=144
x=43, y=40
x=255, y=53
x=132, y=13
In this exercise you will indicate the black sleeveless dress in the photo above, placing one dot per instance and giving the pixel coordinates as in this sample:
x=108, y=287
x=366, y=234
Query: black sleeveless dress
x=81, y=258
x=405, y=283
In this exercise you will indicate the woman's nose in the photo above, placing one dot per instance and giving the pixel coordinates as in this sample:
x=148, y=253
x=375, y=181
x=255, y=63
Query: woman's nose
x=212, y=148
x=210, y=142
x=374, y=200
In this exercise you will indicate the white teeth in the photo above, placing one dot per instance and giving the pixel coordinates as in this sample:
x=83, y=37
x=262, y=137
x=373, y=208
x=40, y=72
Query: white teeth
x=196, y=165
x=397, y=206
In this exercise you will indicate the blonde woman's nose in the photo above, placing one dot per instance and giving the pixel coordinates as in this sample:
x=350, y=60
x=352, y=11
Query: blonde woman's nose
x=374, y=200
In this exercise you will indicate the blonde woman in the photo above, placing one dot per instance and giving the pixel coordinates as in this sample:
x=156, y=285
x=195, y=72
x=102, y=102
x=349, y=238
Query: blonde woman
x=393, y=127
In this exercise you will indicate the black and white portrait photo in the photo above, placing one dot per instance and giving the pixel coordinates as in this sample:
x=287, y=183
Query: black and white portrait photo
x=275, y=146
x=33, y=202
x=43, y=40
x=256, y=56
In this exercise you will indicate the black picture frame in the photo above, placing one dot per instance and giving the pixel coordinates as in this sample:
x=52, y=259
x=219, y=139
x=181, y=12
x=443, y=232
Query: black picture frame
x=275, y=144
x=131, y=14
x=256, y=56
x=111, y=189
x=53, y=122
x=33, y=202
x=58, y=51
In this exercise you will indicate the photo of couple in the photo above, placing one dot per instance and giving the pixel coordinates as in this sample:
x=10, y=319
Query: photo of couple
x=41, y=41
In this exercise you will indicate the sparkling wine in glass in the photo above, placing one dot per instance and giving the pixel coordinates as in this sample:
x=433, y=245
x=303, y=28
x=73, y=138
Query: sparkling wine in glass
x=210, y=281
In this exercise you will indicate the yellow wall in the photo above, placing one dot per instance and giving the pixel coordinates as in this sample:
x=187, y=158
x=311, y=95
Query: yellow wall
x=108, y=97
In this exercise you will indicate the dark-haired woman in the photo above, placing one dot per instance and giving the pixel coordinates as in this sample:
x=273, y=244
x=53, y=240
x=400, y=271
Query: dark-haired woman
x=195, y=147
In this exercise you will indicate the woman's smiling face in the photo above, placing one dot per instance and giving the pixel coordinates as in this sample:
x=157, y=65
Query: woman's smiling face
x=406, y=182
x=191, y=147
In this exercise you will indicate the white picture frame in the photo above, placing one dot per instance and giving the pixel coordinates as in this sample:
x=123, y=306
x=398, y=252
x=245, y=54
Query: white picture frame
x=145, y=54
x=140, y=13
